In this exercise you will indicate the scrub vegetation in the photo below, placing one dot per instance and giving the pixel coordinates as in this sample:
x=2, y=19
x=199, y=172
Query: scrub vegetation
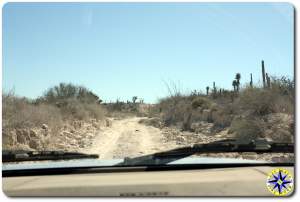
x=70, y=117
x=246, y=112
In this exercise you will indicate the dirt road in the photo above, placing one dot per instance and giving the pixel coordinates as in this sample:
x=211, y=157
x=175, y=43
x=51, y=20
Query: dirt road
x=128, y=138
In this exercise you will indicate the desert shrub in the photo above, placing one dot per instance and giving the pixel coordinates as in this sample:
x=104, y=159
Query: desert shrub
x=202, y=102
x=155, y=122
x=63, y=92
x=115, y=106
x=285, y=85
x=95, y=111
x=19, y=112
x=183, y=111
x=74, y=109
x=250, y=101
x=260, y=101
x=175, y=110
x=246, y=129
x=220, y=119
x=123, y=109
x=283, y=105
x=74, y=102
x=284, y=89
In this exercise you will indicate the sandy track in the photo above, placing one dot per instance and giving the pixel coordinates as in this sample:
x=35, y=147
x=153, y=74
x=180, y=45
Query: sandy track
x=128, y=138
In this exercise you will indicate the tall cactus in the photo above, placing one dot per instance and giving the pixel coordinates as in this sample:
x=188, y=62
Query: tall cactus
x=214, y=87
x=237, y=78
x=214, y=94
x=234, y=84
x=207, y=90
x=251, y=81
x=263, y=73
x=268, y=80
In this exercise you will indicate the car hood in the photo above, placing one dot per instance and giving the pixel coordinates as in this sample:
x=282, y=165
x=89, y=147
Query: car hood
x=88, y=163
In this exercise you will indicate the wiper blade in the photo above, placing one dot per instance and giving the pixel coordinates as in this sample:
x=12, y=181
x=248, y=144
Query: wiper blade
x=232, y=145
x=223, y=146
x=20, y=155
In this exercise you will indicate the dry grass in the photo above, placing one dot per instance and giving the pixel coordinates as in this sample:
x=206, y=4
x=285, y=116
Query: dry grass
x=264, y=101
x=74, y=109
x=20, y=112
x=23, y=114
x=242, y=111
x=246, y=129
x=201, y=102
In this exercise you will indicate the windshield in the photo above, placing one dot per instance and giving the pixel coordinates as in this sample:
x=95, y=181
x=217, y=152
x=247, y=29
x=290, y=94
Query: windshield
x=127, y=80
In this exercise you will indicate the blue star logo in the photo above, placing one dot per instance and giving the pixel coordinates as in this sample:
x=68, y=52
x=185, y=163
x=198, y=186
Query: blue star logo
x=279, y=181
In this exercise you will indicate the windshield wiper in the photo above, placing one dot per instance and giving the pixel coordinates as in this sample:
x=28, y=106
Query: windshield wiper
x=223, y=146
x=20, y=155
x=232, y=145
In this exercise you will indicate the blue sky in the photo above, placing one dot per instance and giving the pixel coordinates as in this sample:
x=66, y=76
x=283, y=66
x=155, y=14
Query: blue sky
x=119, y=50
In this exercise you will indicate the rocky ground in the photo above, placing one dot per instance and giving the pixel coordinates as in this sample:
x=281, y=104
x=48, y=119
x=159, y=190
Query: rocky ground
x=73, y=136
x=203, y=134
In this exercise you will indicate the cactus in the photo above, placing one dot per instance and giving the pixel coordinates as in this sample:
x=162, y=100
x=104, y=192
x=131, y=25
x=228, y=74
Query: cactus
x=251, y=81
x=238, y=77
x=234, y=84
x=134, y=98
x=214, y=87
x=207, y=90
x=268, y=80
x=263, y=73
x=214, y=90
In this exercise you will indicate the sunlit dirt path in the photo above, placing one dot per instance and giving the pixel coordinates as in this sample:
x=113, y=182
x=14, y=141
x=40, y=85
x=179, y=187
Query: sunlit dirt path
x=128, y=138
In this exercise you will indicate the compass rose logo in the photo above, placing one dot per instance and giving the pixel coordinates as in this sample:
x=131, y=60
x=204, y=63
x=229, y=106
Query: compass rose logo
x=280, y=182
